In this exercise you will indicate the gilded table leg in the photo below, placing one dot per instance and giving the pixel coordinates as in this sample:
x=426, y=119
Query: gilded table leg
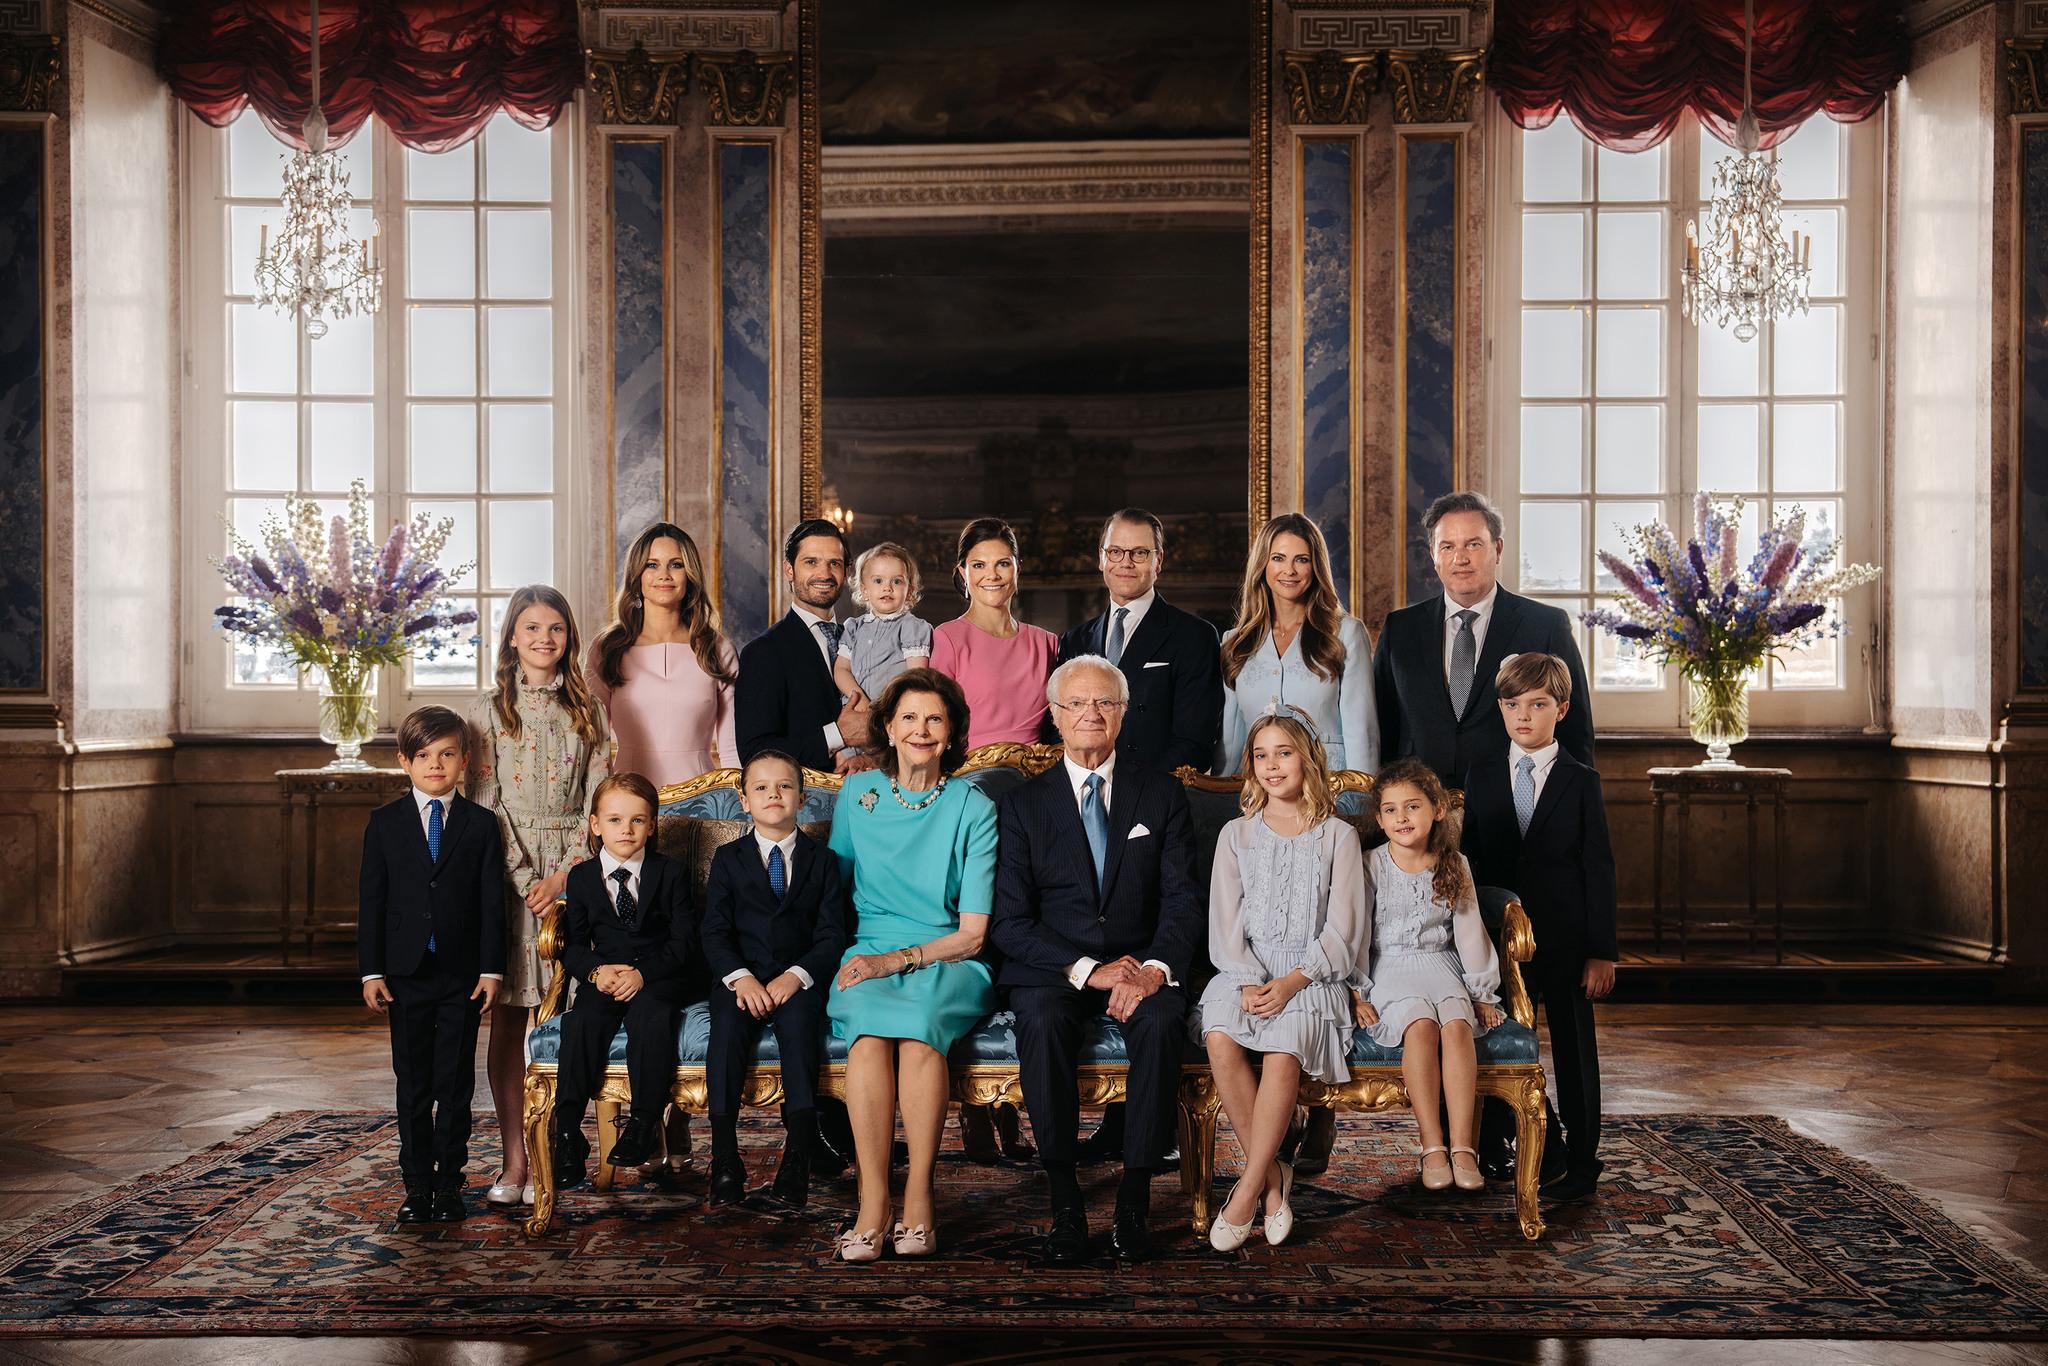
x=1202, y=1154
x=540, y=1154
x=1529, y=1155
x=607, y=1135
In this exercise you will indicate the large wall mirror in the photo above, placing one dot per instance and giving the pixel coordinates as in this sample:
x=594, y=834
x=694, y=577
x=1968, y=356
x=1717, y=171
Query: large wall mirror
x=1035, y=271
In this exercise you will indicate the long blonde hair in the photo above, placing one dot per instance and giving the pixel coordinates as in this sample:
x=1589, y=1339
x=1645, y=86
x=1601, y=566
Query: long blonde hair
x=1449, y=885
x=1321, y=648
x=629, y=613
x=574, y=694
x=1318, y=802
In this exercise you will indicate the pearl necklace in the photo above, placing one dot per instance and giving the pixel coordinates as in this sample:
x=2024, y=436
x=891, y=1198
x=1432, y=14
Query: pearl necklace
x=929, y=797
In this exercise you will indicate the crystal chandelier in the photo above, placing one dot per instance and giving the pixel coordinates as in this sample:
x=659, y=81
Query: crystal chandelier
x=1743, y=268
x=315, y=270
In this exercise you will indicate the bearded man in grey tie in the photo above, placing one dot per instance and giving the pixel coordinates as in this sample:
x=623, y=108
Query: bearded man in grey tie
x=1433, y=671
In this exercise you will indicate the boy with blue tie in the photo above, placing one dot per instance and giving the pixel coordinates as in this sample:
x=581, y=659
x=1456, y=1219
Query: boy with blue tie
x=626, y=934
x=1535, y=823
x=430, y=942
x=775, y=926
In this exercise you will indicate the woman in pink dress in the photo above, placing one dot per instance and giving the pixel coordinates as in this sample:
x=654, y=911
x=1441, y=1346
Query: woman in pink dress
x=999, y=662
x=663, y=670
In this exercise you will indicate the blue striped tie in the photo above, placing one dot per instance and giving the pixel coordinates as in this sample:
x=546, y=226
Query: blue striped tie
x=433, y=846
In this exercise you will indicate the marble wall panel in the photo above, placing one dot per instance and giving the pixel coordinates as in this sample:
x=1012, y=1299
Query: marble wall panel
x=2032, y=585
x=747, y=289
x=23, y=588
x=638, y=323
x=1327, y=272
x=1430, y=392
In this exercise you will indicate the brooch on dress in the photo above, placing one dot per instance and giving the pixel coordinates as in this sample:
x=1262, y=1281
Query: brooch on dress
x=869, y=798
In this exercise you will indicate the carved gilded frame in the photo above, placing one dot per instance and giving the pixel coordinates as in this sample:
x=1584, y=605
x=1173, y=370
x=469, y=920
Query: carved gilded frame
x=810, y=269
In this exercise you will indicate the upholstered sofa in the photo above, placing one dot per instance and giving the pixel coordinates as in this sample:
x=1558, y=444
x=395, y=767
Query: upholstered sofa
x=698, y=816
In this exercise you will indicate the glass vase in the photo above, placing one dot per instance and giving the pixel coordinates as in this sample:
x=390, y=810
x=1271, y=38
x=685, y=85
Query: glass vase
x=348, y=714
x=1720, y=715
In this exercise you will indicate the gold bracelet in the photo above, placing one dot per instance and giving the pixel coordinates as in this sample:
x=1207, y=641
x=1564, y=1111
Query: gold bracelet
x=918, y=949
x=909, y=961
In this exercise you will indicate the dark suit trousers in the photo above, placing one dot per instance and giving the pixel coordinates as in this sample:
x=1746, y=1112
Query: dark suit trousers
x=799, y=1037
x=1052, y=1023
x=433, y=1055
x=1557, y=984
x=587, y=1031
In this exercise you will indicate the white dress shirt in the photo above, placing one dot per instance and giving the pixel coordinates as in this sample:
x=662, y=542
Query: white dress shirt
x=1134, y=610
x=787, y=844
x=812, y=621
x=611, y=865
x=1484, y=607
x=420, y=799
x=1078, y=974
x=1545, y=759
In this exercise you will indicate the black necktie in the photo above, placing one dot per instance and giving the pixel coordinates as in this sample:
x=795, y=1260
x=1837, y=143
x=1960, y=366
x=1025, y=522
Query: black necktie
x=626, y=906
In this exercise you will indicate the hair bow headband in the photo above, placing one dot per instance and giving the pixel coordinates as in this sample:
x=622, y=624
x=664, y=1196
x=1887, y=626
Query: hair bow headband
x=1276, y=708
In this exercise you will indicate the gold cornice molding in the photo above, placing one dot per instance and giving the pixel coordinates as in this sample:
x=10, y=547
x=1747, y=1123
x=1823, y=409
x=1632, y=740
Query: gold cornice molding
x=636, y=88
x=687, y=25
x=1435, y=86
x=1358, y=24
x=2026, y=74
x=29, y=72
x=1330, y=85
x=746, y=89
x=131, y=16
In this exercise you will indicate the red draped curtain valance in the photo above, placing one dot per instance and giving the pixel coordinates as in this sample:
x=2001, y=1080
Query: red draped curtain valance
x=1626, y=70
x=434, y=71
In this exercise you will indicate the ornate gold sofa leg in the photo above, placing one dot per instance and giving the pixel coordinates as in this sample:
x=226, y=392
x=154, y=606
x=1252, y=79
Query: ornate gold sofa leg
x=1199, y=1106
x=1529, y=1113
x=540, y=1152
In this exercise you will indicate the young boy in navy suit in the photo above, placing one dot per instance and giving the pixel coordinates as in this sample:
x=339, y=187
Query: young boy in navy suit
x=626, y=935
x=430, y=942
x=1535, y=823
x=775, y=926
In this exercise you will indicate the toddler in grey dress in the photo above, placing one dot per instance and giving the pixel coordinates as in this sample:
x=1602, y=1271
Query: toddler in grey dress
x=886, y=639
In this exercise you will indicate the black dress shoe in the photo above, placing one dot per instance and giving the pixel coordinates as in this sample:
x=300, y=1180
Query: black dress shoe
x=728, y=1179
x=572, y=1152
x=448, y=1207
x=1131, y=1235
x=1318, y=1136
x=792, y=1188
x=418, y=1206
x=1574, y=1185
x=1067, y=1242
x=637, y=1142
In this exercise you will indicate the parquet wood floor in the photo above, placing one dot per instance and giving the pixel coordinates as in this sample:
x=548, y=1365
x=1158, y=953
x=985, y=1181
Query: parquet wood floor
x=1950, y=1100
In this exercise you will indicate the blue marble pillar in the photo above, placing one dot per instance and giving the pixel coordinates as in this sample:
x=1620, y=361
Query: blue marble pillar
x=746, y=330
x=1327, y=280
x=639, y=396
x=1429, y=347
x=23, y=661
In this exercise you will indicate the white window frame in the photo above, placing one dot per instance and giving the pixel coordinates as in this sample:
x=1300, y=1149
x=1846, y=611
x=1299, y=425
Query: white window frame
x=1852, y=705
x=208, y=703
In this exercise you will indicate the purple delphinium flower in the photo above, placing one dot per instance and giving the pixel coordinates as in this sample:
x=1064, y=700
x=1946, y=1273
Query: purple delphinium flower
x=1780, y=564
x=394, y=550
x=264, y=574
x=1628, y=630
x=329, y=599
x=1793, y=616
x=1698, y=560
x=419, y=624
x=1728, y=551
x=1629, y=580
x=337, y=551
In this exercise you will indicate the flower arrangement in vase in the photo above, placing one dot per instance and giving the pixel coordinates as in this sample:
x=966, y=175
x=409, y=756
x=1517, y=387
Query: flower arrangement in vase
x=335, y=600
x=1695, y=606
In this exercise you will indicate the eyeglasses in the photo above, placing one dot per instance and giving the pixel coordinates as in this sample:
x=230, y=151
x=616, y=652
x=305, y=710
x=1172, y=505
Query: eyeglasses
x=1116, y=554
x=1104, y=706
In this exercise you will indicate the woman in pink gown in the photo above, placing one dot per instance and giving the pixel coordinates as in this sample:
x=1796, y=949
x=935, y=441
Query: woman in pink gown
x=663, y=670
x=999, y=662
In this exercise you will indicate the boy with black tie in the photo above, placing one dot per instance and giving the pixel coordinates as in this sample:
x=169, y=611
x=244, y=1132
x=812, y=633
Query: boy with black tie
x=626, y=933
x=1535, y=822
x=775, y=926
x=430, y=941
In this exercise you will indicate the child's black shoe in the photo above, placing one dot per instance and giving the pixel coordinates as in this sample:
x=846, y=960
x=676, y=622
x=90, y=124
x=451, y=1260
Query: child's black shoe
x=418, y=1206
x=572, y=1153
x=636, y=1143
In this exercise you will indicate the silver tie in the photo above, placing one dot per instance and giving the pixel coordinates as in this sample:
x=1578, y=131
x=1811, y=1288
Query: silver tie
x=1525, y=792
x=1116, y=636
x=1464, y=661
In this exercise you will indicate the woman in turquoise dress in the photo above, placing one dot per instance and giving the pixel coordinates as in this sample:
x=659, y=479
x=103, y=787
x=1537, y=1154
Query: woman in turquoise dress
x=920, y=852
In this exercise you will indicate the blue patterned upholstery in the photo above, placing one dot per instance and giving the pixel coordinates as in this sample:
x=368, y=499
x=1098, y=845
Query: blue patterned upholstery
x=1507, y=1042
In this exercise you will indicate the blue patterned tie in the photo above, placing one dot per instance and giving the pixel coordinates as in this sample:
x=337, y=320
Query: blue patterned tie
x=1095, y=821
x=831, y=630
x=433, y=846
x=625, y=905
x=1525, y=792
x=778, y=876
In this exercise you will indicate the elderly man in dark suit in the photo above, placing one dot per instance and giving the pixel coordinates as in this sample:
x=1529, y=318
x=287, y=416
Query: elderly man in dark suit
x=1433, y=671
x=1096, y=912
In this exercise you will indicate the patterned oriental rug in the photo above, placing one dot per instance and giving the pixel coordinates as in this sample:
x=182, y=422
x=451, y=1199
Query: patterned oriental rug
x=1706, y=1225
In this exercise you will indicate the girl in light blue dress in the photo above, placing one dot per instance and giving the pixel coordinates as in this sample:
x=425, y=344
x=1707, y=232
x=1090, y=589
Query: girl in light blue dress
x=1293, y=647
x=918, y=848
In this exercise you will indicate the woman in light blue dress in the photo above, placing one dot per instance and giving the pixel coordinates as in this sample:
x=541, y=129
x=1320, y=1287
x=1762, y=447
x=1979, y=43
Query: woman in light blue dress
x=1294, y=646
x=919, y=849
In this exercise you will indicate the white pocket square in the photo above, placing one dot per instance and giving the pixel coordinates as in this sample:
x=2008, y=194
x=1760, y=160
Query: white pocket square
x=1137, y=832
x=1157, y=663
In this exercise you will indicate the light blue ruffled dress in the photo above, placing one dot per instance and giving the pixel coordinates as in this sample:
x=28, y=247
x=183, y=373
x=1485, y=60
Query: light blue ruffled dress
x=1278, y=903
x=914, y=874
x=1429, y=961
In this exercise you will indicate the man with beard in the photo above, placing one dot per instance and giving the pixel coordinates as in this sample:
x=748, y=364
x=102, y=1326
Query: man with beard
x=785, y=699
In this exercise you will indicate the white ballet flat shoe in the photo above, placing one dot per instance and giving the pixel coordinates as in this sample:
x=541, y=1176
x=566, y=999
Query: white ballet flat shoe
x=1225, y=1236
x=502, y=1194
x=1280, y=1222
x=860, y=1247
x=1429, y=1183
x=920, y=1241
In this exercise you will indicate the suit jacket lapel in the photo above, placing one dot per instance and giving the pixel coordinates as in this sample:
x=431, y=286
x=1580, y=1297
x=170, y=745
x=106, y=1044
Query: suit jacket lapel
x=1506, y=609
x=803, y=637
x=1563, y=773
x=1150, y=635
x=1123, y=814
x=1066, y=820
